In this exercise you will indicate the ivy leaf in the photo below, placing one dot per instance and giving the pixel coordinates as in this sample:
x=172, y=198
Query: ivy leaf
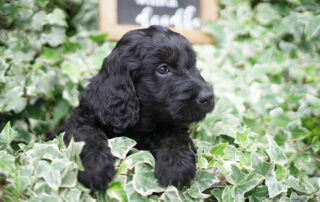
x=218, y=31
x=74, y=67
x=39, y=20
x=227, y=194
x=242, y=182
x=217, y=193
x=72, y=195
x=3, y=68
x=115, y=191
x=73, y=152
x=293, y=198
x=60, y=165
x=7, y=165
x=71, y=94
x=6, y=135
x=280, y=172
x=195, y=192
x=140, y=157
x=144, y=181
x=292, y=25
x=266, y=14
x=244, y=158
x=21, y=183
x=275, y=153
x=204, y=179
x=50, y=55
x=218, y=150
x=60, y=110
x=57, y=17
x=281, y=136
x=42, y=3
x=260, y=167
x=132, y=195
x=312, y=25
x=70, y=179
x=242, y=138
x=45, y=197
x=295, y=184
x=54, y=38
x=275, y=187
x=50, y=175
x=44, y=151
x=279, y=119
x=99, y=39
x=170, y=194
x=202, y=162
x=297, y=131
x=12, y=99
x=120, y=146
x=39, y=82
x=258, y=194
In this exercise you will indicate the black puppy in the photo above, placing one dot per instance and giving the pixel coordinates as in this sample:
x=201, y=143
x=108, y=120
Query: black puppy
x=148, y=89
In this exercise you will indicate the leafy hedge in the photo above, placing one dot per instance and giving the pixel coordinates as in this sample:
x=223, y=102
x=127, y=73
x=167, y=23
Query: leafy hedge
x=261, y=143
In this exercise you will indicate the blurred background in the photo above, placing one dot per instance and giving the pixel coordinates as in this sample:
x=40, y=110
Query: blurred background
x=261, y=143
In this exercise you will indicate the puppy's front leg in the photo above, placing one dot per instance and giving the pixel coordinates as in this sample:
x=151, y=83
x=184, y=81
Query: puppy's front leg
x=96, y=157
x=175, y=160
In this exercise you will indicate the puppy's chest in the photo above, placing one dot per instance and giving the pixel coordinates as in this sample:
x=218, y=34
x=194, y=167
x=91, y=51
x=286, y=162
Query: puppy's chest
x=146, y=140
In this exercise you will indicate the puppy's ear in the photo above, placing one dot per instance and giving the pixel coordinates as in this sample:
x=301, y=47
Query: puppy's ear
x=111, y=95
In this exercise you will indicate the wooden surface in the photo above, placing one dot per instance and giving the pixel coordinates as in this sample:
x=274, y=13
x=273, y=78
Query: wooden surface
x=108, y=22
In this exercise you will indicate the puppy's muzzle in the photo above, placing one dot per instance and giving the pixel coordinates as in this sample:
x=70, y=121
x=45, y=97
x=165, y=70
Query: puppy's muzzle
x=205, y=97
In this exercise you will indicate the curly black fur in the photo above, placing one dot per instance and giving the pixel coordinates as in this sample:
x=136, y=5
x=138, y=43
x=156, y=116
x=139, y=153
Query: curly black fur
x=148, y=89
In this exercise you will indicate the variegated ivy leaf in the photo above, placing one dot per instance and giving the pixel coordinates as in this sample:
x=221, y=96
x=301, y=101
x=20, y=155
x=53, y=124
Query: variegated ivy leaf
x=6, y=135
x=258, y=194
x=242, y=182
x=140, y=157
x=218, y=150
x=49, y=174
x=227, y=194
x=195, y=192
x=74, y=67
x=171, y=194
x=72, y=195
x=46, y=197
x=115, y=191
x=44, y=151
x=275, y=187
x=144, y=180
x=120, y=146
x=132, y=194
x=266, y=170
x=275, y=153
x=262, y=167
x=295, y=184
x=205, y=178
x=73, y=151
x=12, y=100
x=7, y=165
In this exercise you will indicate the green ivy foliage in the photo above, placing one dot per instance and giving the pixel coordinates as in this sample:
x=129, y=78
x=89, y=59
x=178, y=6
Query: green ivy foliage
x=261, y=143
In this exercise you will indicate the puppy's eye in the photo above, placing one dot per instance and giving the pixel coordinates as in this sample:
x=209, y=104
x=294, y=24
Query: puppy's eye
x=163, y=69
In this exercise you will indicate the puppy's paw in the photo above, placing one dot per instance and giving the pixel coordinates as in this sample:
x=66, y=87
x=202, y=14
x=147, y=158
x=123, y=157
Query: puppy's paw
x=178, y=169
x=97, y=175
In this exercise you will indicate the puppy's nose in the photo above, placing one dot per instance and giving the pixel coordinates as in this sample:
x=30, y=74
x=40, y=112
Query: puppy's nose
x=205, y=97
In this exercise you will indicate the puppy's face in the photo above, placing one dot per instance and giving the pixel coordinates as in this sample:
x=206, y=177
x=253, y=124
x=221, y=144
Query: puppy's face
x=167, y=82
x=162, y=66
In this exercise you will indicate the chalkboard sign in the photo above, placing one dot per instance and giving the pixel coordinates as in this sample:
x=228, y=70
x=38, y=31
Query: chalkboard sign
x=178, y=14
x=184, y=16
